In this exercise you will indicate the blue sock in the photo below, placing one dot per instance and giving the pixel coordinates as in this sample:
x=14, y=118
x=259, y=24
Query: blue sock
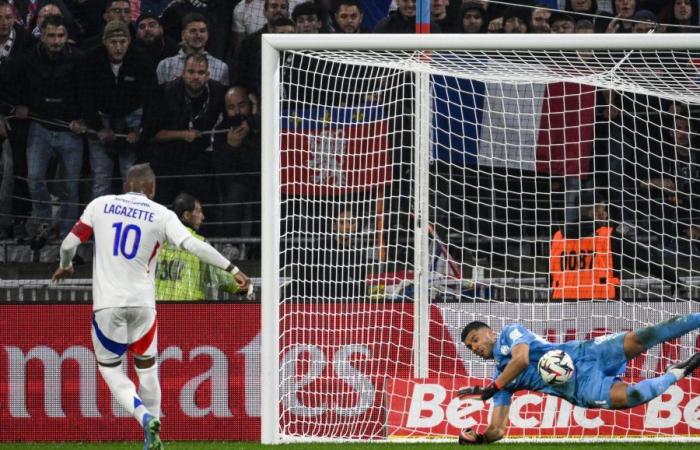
x=668, y=329
x=644, y=391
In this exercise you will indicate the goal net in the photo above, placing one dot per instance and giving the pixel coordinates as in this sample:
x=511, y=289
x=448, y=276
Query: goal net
x=550, y=181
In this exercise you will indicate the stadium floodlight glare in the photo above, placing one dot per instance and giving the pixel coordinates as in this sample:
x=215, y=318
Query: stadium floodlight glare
x=456, y=158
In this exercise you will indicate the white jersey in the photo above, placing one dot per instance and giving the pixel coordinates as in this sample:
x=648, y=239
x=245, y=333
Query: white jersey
x=129, y=229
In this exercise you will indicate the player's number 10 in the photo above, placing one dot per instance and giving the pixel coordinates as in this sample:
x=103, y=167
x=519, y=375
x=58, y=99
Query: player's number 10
x=121, y=236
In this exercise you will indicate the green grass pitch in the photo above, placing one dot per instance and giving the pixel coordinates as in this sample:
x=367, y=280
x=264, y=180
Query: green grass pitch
x=352, y=446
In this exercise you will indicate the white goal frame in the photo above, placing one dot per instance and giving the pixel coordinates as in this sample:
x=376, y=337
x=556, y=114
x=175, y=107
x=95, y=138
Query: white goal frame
x=272, y=45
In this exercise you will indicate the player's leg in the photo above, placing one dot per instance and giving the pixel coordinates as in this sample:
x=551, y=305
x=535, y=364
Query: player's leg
x=109, y=337
x=637, y=342
x=143, y=342
x=623, y=395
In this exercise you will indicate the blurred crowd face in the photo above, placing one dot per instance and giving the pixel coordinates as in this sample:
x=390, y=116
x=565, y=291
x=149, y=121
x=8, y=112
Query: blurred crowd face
x=643, y=27
x=682, y=10
x=54, y=38
x=118, y=11
x=472, y=21
x=539, y=22
x=149, y=31
x=308, y=23
x=276, y=9
x=237, y=103
x=581, y=5
x=195, y=36
x=625, y=8
x=116, y=48
x=514, y=25
x=45, y=11
x=407, y=8
x=7, y=21
x=283, y=29
x=195, y=75
x=682, y=132
x=563, y=26
x=438, y=9
x=348, y=18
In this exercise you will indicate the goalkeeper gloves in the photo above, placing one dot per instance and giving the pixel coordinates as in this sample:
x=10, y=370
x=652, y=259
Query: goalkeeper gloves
x=467, y=437
x=484, y=393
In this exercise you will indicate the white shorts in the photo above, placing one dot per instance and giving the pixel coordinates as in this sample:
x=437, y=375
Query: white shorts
x=116, y=330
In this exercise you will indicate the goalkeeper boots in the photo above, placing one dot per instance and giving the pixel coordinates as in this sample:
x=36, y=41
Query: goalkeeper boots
x=685, y=368
x=151, y=430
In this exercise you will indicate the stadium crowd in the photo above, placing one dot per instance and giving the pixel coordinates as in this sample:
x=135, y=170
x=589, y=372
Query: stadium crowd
x=89, y=88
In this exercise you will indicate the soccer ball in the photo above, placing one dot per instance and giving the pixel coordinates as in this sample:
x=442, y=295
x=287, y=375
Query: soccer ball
x=556, y=367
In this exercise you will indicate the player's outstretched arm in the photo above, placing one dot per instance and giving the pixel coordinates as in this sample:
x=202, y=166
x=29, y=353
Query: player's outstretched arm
x=520, y=359
x=495, y=431
x=68, y=248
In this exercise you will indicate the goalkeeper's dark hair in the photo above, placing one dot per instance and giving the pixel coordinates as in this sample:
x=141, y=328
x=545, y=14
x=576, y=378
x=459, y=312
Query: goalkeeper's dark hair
x=473, y=326
x=184, y=202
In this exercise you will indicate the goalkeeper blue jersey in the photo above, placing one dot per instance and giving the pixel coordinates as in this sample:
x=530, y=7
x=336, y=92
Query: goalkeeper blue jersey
x=597, y=363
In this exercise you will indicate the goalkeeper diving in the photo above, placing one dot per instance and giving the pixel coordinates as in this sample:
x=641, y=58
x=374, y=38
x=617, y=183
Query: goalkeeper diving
x=598, y=364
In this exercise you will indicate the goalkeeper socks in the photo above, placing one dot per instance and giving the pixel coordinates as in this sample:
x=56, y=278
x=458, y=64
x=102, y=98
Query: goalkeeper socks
x=124, y=391
x=149, y=388
x=668, y=329
x=644, y=391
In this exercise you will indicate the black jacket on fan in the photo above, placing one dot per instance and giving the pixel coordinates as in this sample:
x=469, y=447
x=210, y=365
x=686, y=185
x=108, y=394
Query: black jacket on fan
x=132, y=88
x=49, y=85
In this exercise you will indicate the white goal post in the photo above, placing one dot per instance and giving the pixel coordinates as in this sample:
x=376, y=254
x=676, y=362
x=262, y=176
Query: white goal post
x=414, y=183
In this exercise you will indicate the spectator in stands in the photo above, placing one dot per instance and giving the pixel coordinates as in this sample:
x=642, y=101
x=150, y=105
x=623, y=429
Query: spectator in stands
x=473, y=18
x=589, y=259
x=180, y=275
x=84, y=18
x=189, y=106
x=584, y=26
x=348, y=17
x=237, y=155
x=15, y=42
x=335, y=266
x=561, y=22
x=515, y=20
x=684, y=14
x=645, y=21
x=250, y=16
x=248, y=60
x=669, y=179
x=308, y=17
x=438, y=12
x=117, y=81
x=581, y=6
x=119, y=10
x=622, y=10
x=195, y=35
x=539, y=19
x=217, y=14
x=49, y=90
x=49, y=9
x=150, y=38
x=403, y=20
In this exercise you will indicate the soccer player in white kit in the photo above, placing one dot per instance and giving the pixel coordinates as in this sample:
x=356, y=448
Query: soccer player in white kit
x=129, y=229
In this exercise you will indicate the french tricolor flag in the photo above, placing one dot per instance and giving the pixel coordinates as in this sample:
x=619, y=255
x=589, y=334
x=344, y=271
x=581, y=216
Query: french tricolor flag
x=543, y=127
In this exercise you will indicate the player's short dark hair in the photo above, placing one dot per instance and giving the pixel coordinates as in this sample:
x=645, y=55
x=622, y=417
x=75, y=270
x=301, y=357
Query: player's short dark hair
x=307, y=9
x=54, y=20
x=184, y=202
x=472, y=326
x=5, y=3
x=194, y=17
